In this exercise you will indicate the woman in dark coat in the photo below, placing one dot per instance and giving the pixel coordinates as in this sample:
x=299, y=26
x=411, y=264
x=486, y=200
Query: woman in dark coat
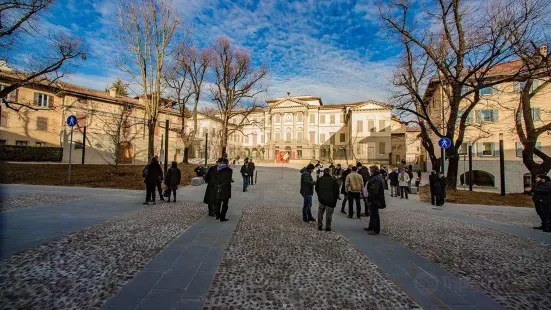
x=210, y=198
x=152, y=174
x=172, y=180
x=223, y=189
x=435, y=188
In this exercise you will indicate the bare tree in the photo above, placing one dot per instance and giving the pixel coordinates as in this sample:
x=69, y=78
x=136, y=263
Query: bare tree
x=235, y=88
x=529, y=125
x=46, y=62
x=463, y=45
x=146, y=30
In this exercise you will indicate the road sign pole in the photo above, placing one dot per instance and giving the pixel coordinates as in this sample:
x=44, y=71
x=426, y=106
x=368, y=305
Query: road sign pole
x=70, y=155
x=470, y=167
x=83, y=145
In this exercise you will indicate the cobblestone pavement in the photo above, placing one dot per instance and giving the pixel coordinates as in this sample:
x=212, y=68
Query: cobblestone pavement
x=82, y=270
x=512, y=270
x=524, y=217
x=34, y=199
x=276, y=261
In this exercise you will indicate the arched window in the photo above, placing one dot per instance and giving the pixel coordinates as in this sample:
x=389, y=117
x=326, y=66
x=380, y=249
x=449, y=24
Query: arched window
x=288, y=135
x=300, y=134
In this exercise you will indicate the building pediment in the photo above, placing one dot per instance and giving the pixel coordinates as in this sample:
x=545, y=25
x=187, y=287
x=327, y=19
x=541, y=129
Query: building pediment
x=370, y=105
x=289, y=103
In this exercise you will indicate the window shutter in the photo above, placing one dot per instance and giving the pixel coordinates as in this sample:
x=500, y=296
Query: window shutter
x=51, y=102
x=518, y=147
x=495, y=115
x=469, y=118
x=478, y=116
x=495, y=147
x=35, y=102
x=479, y=149
x=536, y=114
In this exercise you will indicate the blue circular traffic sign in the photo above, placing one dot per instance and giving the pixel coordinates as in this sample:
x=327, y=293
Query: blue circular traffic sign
x=444, y=142
x=71, y=120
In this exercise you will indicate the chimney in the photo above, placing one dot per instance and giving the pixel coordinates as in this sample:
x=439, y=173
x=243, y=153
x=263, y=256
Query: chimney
x=543, y=50
x=112, y=92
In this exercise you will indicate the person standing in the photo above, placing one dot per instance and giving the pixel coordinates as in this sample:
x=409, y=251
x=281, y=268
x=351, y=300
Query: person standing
x=344, y=174
x=328, y=191
x=364, y=172
x=152, y=173
x=403, y=182
x=542, y=200
x=223, y=181
x=410, y=174
x=318, y=167
x=160, y=181
x=172, y=180
x=442, y=182
x=199, y=171
x=419, y=174
x=393, y=177
x=435, y=189
x=307, y=191
x=384, y=175
x=375, y=199
x=210, y=198
x=251, y=172
x=245, y=173
x=354, y=186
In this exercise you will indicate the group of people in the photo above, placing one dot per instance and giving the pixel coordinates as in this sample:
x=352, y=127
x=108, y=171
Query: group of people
x=247, y=172
x=356, y=183
x=218, y=192
x=153, y=178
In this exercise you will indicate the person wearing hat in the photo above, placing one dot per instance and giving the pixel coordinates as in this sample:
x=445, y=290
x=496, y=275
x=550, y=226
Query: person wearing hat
x=307, y=191
x=542, y=200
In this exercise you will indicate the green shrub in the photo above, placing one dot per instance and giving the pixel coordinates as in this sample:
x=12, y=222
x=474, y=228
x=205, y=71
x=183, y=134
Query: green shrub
x=30, y=153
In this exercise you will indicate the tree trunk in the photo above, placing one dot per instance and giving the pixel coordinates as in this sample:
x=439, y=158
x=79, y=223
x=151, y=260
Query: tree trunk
x=186, y=155
x=452, y=168
x=151, y=139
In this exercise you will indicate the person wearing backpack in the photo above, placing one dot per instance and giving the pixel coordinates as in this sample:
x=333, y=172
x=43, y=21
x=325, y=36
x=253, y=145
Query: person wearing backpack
x=172, y=180
x=223, y=181
x=152, y=174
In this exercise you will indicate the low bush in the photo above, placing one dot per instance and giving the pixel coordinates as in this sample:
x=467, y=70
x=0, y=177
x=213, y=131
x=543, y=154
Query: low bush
x=30, y=153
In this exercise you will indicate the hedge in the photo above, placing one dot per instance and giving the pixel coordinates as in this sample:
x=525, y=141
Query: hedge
x=30, y=153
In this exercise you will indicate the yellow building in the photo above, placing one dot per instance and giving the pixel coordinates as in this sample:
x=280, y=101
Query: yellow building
x=494, y=116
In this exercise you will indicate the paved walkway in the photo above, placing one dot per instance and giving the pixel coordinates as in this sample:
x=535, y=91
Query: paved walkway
x=30, y=227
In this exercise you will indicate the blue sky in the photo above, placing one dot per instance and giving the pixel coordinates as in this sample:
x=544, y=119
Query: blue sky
x=332, y=49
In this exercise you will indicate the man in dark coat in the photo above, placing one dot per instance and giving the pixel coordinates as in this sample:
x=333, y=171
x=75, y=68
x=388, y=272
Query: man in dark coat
x=251, y=172
x=328, y=191
x=245, y=174
x=435, y=188
x=344, y=174
x=210, y=198
x=443, y=183
x=172, y=180
x=307, y=191
x=542, y=200
x=160, y=181
x=393, y=177
x=223, y=182
x=375, y=199
x=152, y=174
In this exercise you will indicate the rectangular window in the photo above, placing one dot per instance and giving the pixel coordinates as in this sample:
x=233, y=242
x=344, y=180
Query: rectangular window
x=343, y=137
x=312, y=119
x=42, y=123
x=42, y=100
x=278, y=136
x=518, y=149
x=299, y=136
x=312, y=137
x=322, y=138
x=332, y=119
x=3, y=142
x=536, y=114
x=463, y=149
x=488, y=149
x=371, y=125
x=4, y=122
x=262, y=139
x=381, y=126
x=299, y=117
x=490, y=116
x=487, y=91
x=22, y=143
x=299, y=154
x=359, y=149
x=322, y=119
x=37, y=143
x=288, y=136
x=359, y=126
x=382, y=148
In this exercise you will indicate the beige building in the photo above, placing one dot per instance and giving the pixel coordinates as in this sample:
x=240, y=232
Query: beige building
x=492, y=117
x=297, y=128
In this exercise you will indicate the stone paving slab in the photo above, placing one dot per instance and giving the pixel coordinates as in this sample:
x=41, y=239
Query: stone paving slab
x=180, y=276
x=428, y=284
